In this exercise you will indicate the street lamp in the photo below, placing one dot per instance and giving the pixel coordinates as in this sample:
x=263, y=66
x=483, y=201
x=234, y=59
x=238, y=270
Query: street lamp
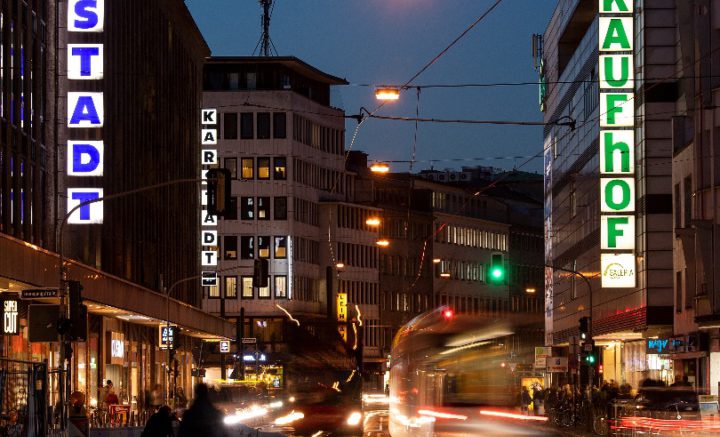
x=380, y=168
x=373, y=221
x=387, y=93
x=383, y=242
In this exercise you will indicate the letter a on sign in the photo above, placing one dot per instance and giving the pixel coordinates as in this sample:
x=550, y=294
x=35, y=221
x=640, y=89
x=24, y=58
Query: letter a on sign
x=85, y=109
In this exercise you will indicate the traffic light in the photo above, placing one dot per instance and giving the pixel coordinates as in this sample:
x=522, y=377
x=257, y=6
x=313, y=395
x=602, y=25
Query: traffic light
x=218, y=191
x=591, y=357
x=260, y=273
x=78, y=312
x=496, y=273
x=584, y=323
x=448, y=314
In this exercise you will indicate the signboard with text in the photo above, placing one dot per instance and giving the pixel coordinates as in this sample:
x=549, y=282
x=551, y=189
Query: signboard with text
x=541, y=356
x=557, y=364
x=10, y=316
x=617, y=143
x=167, y=336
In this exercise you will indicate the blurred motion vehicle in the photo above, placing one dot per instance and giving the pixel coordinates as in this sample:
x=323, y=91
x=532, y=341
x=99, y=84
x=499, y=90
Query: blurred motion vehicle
x=446, y=367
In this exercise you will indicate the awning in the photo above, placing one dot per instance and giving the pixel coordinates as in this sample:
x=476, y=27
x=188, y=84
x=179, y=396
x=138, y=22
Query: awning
x=24, y=265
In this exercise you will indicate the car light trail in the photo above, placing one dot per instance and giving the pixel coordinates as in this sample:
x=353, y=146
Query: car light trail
x=441, y=415
x=507, y=415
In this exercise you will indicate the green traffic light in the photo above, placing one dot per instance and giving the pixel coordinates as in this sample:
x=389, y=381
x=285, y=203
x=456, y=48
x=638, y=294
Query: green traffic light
x=591, y=359
x=497, y=273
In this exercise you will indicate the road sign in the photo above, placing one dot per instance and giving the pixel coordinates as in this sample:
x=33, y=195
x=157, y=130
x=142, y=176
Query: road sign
x=224, y=346
x=167, y=336
x=557, y=364
x=209, y=279
x=38, y=293
x=249, y=340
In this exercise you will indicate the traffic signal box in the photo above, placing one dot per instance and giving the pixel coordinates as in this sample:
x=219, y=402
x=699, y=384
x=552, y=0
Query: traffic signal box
x=219, y=191
x=260, y=273
x=496, y=273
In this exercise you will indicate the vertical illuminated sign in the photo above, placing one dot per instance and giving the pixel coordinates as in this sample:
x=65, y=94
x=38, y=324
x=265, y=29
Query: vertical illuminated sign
x=208, y=222
x=617, y=143
x=342, y=314
x=85, y=110
x=10, y=317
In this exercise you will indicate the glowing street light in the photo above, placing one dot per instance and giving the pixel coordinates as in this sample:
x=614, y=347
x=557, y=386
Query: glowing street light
x=445, y=274
x=437, y=260
x=530, y=290
x=383, y=242
x=340, y=265
x=380, y=167
x=373, y=221
x=387, y=93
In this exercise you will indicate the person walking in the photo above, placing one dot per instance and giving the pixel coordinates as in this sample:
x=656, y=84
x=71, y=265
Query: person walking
x=525, y=399
x=202, y=418
x=159, y=424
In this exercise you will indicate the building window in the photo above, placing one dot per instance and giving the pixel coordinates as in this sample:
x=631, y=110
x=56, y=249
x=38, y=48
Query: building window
x=279, y=125
x=231, y=164
x=247, y=208
x=280, y=248
x=263, y=208
x=231, y=287
x=247, y=247
x=247, y=168
x=230, y=247
x=263, y=125
x=689, y=298
x=280, y=208
x=263, y=247
x=263, y=168
x=280, y=287
x=247, y=287
x=676, y=206
x=230, y=126
x=687, y=204
x=231, y=212
x=678, y=292
x=246, y=125
x=214, y=292
x=279, y=168
x=264, y=292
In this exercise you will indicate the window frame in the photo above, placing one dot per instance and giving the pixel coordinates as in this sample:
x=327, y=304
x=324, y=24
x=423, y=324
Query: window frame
x=263, y=121
x=227, y=238
x=275, y=173
x=245, y=213
x=266, y=209
x=243, y=280
x=247, y=121
x=225, y=287
x=233, y=134
x=268, y=246
x=276, y=209
x=275, y=284
x=275, y=246
x=251, y=168
x=258, y=167
x=269, y=290
x=252, y=249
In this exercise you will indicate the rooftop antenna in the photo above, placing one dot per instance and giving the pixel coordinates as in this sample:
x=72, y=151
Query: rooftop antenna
x=267, y=48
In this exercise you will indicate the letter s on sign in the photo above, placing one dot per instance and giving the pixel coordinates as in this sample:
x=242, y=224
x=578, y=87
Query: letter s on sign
x=86, y=15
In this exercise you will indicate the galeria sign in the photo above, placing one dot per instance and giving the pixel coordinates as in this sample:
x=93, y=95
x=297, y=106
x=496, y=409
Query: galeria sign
x=85, y=110
x=617, y=143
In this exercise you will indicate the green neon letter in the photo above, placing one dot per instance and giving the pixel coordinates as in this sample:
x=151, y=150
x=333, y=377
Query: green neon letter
x=608, y=6
x=624, y=200
x=624, y=71
x=612, y=229
x=616, y=34
x=612, y=106
x=609, y=150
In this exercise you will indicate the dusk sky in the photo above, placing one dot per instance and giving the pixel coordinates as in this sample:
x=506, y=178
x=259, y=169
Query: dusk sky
x=387, y=42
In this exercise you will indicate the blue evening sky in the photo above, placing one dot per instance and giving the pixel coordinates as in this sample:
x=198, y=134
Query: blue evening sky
x=387, y=42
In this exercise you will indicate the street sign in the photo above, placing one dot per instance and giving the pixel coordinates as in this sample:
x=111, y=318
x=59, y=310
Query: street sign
x=209, y=279
x=167, y=336
x=557, y=364
x=541, y=355
x=38, y=293
x=249, y=340
x=224, y=346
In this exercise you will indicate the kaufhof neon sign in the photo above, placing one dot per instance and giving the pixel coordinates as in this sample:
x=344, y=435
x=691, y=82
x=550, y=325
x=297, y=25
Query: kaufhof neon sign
x=617, y=143
x=85, y=110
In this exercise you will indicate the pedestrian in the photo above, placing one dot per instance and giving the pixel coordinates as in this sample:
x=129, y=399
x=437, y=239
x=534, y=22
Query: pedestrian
x=537, y=399
x=13, y=428
x=202, y=418
x=525, y=399
x=156, y=397
x=109, y=397
x=159, y=424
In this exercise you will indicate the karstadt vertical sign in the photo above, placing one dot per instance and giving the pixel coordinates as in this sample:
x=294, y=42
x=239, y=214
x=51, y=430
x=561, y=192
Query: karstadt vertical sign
x=85, y=110
x=208, y=232
x=617, y=143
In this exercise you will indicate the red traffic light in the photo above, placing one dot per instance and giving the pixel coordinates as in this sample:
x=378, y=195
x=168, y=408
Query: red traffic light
x=448, y=314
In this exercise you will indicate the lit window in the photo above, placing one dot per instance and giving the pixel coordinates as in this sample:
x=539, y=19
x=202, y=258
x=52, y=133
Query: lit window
x=247, y=208
x=230, y=247
x=279, y=168
x=248, y=168
x=264, y=292
x=247, y=287
x=280, y=248
x=263, y=208
x=263, y=168
x=281, y=287
x=214, y=292
x=247, y=247
x=263, y=247
x=231, y=287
